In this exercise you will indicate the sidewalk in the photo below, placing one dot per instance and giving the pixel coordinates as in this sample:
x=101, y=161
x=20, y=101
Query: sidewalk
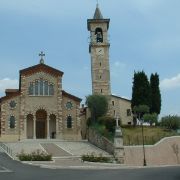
x=75, y=163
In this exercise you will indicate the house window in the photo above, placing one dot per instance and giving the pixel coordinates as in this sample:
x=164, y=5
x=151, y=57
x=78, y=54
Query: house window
x=46, y=88
x=12, y=122
x=128, y=112
x=69, y=122
x=41, y=87
x=36, y=88
x=31, y=88
x=113, y=103
x=51, y=90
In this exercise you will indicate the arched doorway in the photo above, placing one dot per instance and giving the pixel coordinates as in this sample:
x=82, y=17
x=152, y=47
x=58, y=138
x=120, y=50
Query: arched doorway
x=52, y=126
x=30, y=126
x=41, y=124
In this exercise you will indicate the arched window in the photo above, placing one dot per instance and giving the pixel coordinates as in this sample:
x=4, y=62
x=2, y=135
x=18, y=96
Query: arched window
x=69, y=122
x=41, y=87
x=46, y=88
x=12, y=122
x=99, y=35
x=51, y=89
x=36, y=88
x=31, y=88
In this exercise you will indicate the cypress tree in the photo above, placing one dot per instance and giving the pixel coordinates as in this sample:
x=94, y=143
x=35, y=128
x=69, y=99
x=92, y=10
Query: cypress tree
x=155, y=94
x=141, y=93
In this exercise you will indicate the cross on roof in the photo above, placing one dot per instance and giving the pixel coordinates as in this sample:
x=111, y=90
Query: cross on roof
x=42, y=55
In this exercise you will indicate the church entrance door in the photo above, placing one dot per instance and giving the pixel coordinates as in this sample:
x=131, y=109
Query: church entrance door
x=41, y=124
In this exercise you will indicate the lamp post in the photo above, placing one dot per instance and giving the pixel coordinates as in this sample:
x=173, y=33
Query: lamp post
x=144, y=160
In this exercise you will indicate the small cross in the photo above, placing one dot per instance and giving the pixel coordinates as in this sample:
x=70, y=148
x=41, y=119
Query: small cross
x=42, y=54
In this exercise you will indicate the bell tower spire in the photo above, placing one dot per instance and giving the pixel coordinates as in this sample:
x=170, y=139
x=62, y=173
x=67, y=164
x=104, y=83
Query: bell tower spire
x=99, y=51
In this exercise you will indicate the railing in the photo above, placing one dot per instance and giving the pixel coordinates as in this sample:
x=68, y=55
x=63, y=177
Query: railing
x=100, y=141
x=6, y=149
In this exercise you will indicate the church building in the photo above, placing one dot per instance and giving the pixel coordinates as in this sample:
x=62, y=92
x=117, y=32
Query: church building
x=39, y=109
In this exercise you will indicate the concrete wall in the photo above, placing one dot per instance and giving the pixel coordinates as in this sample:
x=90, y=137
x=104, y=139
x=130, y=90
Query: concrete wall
x=159, y=154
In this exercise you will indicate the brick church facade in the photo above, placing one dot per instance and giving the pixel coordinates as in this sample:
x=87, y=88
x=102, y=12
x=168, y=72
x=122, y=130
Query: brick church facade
x=39, y=109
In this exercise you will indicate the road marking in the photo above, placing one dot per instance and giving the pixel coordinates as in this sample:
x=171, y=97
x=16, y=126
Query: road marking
x=4, y=170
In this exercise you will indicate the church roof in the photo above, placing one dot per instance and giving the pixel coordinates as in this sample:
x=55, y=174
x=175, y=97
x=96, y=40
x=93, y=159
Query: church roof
x=97, y=18
x=98, y=14
x=41, y=67
x=71, y=96
x=10, y=93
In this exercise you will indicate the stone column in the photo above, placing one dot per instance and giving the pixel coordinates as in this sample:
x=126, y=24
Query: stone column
x=34, y=130
x=118, y=146
x=48, y=134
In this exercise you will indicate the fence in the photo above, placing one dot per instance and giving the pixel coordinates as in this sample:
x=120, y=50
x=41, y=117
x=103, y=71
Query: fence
x=6, y=149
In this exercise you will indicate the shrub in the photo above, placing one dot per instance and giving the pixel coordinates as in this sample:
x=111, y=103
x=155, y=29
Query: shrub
x=151, y=118
x=108, y=122
x=170, y=122
x=35, y=156
x=93, y=158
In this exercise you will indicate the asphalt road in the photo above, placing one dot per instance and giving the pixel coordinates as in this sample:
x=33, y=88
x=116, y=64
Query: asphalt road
x=13, y=170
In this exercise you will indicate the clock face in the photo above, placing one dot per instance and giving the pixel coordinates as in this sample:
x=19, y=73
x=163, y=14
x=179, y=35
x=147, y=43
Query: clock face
x=12, y=104
x=100, y=51
x=69, y=105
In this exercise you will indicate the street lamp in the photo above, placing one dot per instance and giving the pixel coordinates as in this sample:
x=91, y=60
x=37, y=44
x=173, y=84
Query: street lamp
x=144, y=160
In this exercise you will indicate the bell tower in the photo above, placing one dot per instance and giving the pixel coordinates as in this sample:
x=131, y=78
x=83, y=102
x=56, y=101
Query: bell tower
x=99, y=51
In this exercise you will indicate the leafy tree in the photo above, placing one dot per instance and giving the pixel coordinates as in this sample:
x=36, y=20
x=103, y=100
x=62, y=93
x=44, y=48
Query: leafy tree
x=108, y=122
x=150, y=118
x=155, y=94
x=98, y=105
x=141, y=93
x=170, y=122
x=140, y=110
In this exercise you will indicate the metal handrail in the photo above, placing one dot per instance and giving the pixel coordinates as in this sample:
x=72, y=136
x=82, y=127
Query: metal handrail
x=6, y=149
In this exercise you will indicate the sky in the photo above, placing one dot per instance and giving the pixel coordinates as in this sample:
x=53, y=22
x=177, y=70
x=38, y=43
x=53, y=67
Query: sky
x=144, y=35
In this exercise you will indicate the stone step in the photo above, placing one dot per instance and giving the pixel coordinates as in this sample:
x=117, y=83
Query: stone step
x=55, y=150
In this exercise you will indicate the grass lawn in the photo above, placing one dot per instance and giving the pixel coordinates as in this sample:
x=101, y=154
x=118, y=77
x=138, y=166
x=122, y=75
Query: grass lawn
x=133, y=135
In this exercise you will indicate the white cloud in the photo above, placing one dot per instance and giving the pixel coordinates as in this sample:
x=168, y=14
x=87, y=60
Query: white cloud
x=171, y=83
x=117, y=68
x=119, y=65
x=8, y=83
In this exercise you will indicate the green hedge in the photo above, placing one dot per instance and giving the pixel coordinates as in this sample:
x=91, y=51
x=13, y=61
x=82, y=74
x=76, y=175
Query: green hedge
x=35, y=156
x=93, y=158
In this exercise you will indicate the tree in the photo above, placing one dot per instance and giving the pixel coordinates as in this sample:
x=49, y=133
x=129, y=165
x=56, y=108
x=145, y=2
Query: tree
x=170, y=122
x=141, y=93
x=98, y=105
x=140, y=110
x=150, y=118
x=155, y=94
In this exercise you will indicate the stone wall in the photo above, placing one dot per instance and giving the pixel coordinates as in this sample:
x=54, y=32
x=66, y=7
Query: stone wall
x=103, y=143
x=161, y=153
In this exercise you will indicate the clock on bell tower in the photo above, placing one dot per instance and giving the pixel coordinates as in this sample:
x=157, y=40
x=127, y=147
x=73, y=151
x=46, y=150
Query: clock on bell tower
x=99, y=51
